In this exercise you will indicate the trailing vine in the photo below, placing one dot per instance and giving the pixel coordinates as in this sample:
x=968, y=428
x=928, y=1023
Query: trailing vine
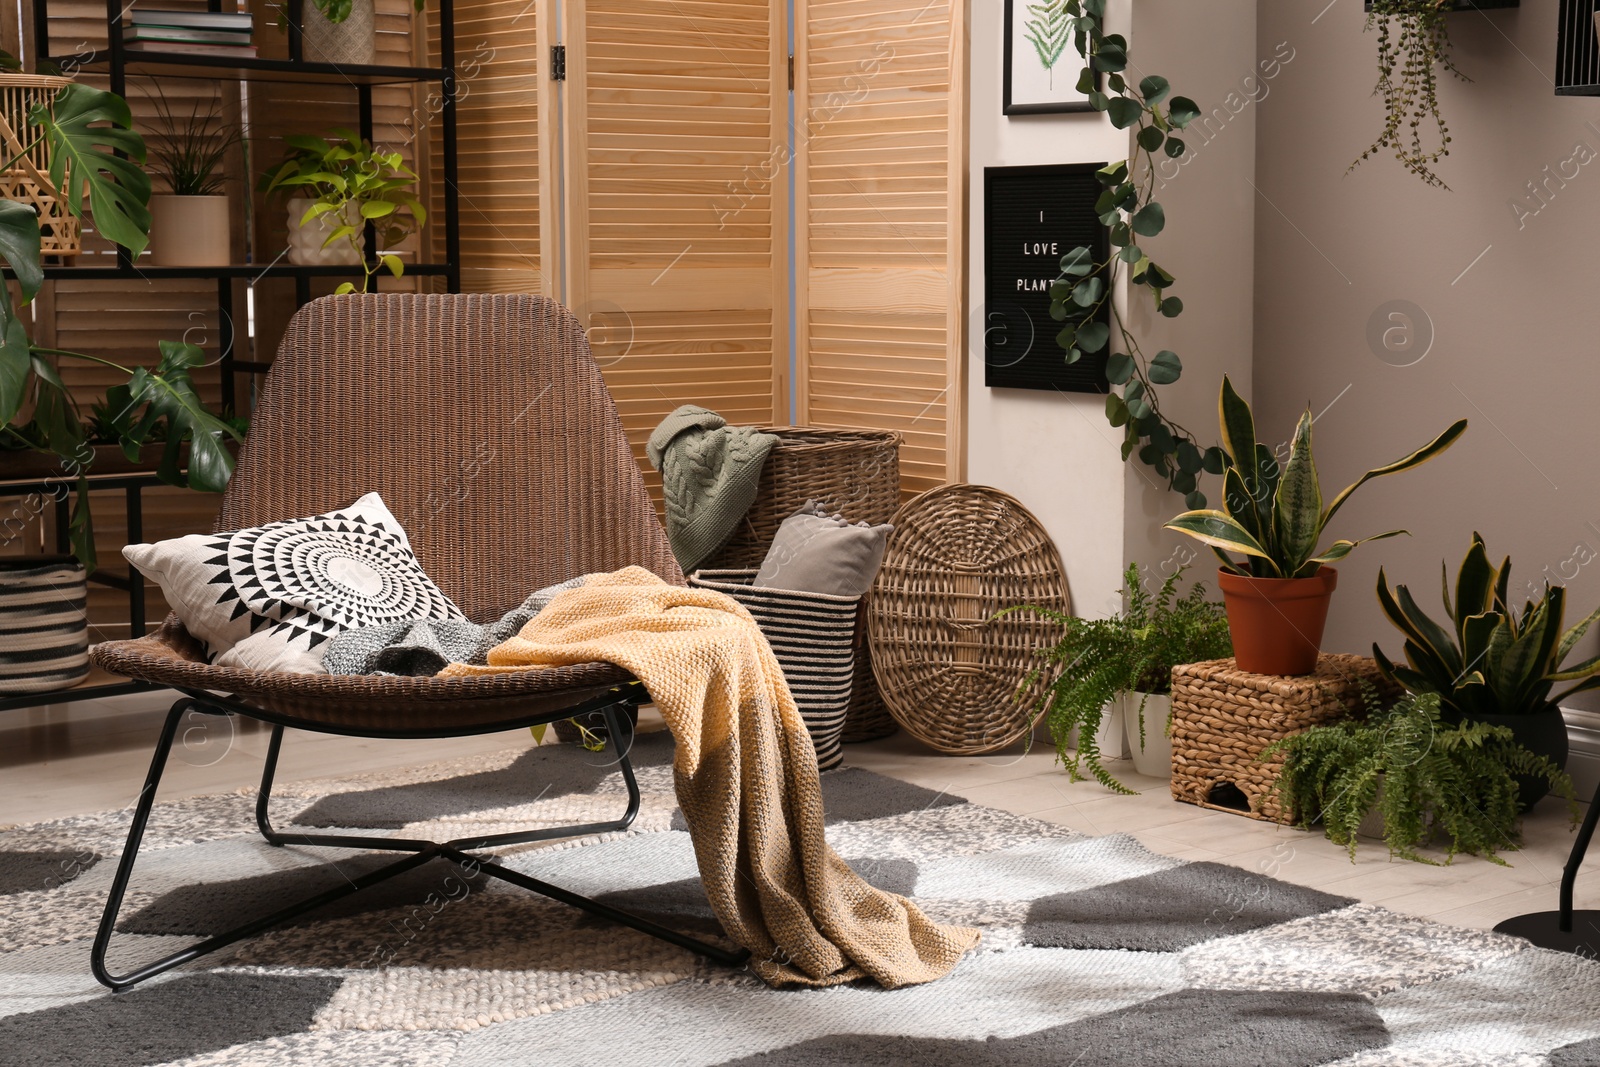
x=1413, y=40
x=1083, y=297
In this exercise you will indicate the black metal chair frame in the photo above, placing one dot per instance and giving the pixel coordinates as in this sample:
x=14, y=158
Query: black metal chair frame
x=609, y=705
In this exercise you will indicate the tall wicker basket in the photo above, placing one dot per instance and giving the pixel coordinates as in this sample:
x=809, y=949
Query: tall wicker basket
x=27, y=180
x=853, y=473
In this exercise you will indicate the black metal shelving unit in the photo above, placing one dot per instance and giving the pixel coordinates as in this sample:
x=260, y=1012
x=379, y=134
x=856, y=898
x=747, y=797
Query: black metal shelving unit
x=118, y=64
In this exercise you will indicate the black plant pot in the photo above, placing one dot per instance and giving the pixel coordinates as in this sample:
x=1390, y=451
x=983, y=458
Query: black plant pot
x=1543, y=734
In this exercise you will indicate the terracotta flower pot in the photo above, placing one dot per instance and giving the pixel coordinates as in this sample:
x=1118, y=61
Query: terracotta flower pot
x=1277, y=622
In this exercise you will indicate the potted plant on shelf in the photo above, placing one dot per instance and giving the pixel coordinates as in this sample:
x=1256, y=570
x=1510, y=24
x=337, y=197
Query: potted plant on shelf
x=94, y=152
x=1277, y=596
x=1124, y=664
x=1409, y=770
x=84, y=129
x=340, y=32
x=190, y=223
x=1491, y=663
x=335, y=186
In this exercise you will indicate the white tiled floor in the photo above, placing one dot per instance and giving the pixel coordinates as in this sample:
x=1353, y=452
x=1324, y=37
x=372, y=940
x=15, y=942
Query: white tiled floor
x=91, y=756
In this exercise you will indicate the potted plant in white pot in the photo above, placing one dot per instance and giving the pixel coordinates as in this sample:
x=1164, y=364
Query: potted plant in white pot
x=1491, y=663
x=339, y=32
x=335, y=185
x=1117, y=672
x=1277, y=596
x=190, y=224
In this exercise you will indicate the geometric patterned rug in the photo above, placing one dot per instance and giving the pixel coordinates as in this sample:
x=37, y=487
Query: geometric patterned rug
x=1095, y=950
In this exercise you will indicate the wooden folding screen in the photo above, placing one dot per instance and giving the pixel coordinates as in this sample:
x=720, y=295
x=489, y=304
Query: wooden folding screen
x=881, y=178
x=675, y=236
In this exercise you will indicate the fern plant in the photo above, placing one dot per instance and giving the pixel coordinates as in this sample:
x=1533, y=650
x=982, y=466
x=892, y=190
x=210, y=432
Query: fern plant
x=1049, y=30
x=1098, y=659
x=1429, y=779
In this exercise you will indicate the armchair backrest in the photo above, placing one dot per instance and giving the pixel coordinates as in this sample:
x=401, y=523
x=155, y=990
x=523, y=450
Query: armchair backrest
x=483, y=421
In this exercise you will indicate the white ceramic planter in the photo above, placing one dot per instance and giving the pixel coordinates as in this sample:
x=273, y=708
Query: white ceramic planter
x=1154, y=756
x=353, y=42
x=190, y=231
x=1111, y=737
x=305, y=242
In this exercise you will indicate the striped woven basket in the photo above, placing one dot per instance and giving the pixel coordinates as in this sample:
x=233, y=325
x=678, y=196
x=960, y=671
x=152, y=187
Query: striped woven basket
x=813, y=636
x=44, y=630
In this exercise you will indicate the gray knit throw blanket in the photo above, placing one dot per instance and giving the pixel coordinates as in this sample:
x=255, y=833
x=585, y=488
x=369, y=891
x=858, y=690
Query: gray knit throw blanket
x=709, y=473
x=425, y=646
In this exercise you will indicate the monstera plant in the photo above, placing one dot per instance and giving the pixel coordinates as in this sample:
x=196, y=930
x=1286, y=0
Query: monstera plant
x=1277, y=595
x=95, y=152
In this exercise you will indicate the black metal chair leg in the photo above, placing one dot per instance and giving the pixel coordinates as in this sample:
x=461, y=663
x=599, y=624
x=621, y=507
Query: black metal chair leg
x=619, y=730
x=1565, y=930
x=130, y=854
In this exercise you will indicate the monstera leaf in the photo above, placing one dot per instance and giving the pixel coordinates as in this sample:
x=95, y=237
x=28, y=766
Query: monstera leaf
x=84, y=154
x=167, y=394
x=19, y=247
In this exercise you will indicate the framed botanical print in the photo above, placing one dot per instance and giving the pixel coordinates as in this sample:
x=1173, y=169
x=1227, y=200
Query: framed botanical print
x=1042, y=66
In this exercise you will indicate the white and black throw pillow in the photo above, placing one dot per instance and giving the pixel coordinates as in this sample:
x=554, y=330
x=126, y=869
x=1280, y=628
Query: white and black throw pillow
x=268, y=597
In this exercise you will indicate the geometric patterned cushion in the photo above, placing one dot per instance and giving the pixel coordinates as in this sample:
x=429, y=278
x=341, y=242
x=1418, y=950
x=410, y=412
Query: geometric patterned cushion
x=267, y=597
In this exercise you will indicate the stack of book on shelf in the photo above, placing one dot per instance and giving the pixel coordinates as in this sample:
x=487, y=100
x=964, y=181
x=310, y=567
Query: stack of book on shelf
x=205, y=33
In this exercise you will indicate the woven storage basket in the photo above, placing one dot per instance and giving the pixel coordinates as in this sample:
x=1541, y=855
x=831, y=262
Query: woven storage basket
x=27, y=180
x=1223, y=718
x=853, y=473
x=950, y=672
x=813, y=636
x=44, y=631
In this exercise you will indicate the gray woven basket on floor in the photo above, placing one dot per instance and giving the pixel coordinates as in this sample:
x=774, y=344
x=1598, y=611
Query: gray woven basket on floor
x=813, y=636
x=44, y=631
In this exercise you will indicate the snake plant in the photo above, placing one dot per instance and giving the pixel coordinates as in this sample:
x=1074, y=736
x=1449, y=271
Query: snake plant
x=1491, y=659
x=1274, y=515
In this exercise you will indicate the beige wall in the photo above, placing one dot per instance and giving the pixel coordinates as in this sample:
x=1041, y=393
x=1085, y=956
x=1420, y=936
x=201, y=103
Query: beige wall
x=1514, y=332
x=1208, y=244
x=1052, y=451
x=1055, y=451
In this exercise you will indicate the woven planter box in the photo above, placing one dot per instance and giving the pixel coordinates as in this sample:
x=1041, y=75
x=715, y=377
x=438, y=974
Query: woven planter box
x=44, y=631
x=853, y=473
x=813, y=636
x=1223, y=718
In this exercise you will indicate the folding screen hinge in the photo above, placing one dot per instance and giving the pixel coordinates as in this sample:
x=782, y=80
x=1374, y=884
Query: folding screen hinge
x=791, y=73
x=558, y=63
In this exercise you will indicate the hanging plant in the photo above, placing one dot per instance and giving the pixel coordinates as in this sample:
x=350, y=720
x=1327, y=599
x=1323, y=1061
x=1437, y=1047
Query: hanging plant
x=1086, y=285
x=1413, y=46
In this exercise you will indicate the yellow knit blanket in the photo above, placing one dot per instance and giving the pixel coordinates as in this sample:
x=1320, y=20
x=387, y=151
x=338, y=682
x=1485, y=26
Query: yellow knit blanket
x=746, y=780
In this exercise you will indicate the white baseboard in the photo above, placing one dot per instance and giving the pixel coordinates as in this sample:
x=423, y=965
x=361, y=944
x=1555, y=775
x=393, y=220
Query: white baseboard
x=1583, y=730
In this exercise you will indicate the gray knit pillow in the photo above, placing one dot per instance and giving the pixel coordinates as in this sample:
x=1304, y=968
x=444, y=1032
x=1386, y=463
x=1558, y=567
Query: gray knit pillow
x=815, y=552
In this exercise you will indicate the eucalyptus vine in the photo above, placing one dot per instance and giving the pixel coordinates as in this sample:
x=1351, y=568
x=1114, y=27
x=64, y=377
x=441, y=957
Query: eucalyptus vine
x=1083, y=297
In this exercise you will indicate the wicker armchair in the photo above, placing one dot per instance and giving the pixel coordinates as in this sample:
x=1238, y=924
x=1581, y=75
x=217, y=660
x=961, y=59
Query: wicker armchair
x=484, y=423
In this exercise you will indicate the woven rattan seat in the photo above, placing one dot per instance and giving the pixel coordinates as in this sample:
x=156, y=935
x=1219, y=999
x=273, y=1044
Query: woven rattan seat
x=484, y=423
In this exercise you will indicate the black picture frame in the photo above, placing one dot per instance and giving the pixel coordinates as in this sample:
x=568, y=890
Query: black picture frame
x=1011, y=106
x=1026, y=208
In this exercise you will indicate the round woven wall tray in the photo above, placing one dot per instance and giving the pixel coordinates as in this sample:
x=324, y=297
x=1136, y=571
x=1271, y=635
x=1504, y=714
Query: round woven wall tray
x=948, y=670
